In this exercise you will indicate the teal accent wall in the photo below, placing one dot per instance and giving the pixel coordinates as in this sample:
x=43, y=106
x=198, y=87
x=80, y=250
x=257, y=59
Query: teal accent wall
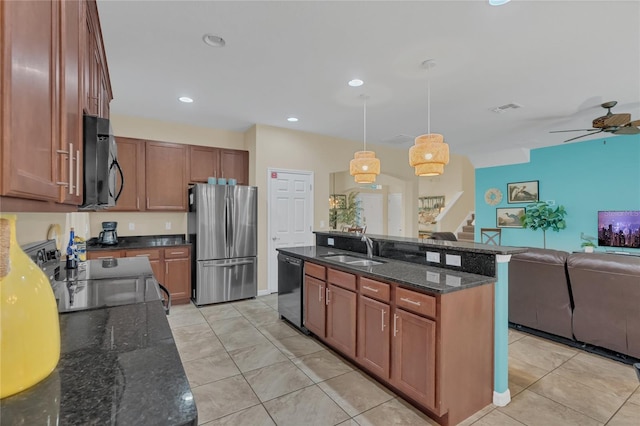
x=585, y=177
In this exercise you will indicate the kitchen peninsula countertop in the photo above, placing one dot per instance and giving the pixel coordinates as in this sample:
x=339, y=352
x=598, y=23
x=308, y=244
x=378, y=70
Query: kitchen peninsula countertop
x=118, y=366
x=423, y=277
x=139, y=242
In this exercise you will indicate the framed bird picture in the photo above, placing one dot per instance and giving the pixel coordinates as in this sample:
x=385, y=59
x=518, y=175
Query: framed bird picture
x=509, y=217
x=522, y=192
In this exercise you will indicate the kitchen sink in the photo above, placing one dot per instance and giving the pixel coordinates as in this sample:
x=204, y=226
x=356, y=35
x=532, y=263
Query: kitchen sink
x=353, y=260
x=364, y=262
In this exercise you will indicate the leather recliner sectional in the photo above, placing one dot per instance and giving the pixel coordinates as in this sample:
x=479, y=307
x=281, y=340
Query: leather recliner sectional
x=591, y=298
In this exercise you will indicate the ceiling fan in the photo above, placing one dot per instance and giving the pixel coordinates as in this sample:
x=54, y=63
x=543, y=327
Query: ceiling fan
x=618, y=124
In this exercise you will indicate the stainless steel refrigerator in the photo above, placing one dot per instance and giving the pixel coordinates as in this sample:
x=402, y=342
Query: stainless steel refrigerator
x=222, y=225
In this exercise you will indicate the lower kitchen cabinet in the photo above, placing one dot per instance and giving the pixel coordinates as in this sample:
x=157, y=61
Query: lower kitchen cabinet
x=155, y=259
x=414, y=357
x=177, y=274
x=374, y=336
x=341, y=319
x=314, y=305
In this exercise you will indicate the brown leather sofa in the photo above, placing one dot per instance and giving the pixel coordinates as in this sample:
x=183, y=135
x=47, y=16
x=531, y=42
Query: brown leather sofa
x=539, y=293
x=606, y=295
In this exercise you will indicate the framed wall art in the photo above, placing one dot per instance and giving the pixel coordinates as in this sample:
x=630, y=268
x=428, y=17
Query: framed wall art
x=509, y=217
x=522, y=192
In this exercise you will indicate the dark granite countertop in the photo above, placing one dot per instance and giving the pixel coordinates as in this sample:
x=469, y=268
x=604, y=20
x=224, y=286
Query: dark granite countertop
x=457, y=245
x=139, y=242
x=423, y=277
x=118, y=366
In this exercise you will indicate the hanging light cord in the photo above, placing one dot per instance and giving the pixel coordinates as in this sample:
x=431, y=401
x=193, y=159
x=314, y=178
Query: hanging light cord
x=365, y=123
x=428, y=102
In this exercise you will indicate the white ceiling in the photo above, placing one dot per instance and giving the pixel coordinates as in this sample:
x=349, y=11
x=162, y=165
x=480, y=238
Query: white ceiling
x=558, y=59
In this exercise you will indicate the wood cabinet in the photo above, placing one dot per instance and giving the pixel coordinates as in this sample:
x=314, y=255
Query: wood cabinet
x=205, y=162
x=374, y=336
x=131, y=158
x=165, y=176
x=97, y=87
x=314, y=305
x=414, y=357
x=30, y=90
x=235, y=164
x=177, y=273
x=434, y=349
x=46, y=49
x=155, y=259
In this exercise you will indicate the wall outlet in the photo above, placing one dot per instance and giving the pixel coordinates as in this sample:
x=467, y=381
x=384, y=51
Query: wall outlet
x=453, y=260
x=433, y=256
x=167, y=225
x=132, y=226
x=330, y=241
x=322, y=224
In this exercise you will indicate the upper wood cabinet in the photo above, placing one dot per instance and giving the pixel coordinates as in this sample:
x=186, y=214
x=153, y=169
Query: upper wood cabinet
x=205, y=162
x=97, y=87
x=235, y=164
x=165, y=176
x=131, y=154
x=46, y=51
x=30, y=89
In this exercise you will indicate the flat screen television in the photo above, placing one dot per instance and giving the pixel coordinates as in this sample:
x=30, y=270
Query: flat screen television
x=619, y=228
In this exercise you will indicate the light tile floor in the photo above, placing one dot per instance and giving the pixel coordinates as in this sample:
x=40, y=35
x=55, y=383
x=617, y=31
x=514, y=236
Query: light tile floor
x=247, y=367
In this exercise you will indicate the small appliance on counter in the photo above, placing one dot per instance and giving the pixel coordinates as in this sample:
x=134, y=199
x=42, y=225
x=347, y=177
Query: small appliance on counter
x=108, y=236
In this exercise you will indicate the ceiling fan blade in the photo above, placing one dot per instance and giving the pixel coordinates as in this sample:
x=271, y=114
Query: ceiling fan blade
x=626, y=131
x=575, y=130
x=582, y=136
x=635, y=123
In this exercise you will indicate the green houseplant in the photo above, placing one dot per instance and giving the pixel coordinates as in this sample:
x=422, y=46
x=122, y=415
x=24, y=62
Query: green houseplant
x=587, y=242
x=350, y=215
x=541, y=215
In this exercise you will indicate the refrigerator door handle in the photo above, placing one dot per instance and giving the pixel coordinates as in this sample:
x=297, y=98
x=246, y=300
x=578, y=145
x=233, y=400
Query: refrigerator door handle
x=226, y=265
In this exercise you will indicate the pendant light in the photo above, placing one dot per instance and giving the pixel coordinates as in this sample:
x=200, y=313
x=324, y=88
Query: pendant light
x=365, y=166
x=429, y=154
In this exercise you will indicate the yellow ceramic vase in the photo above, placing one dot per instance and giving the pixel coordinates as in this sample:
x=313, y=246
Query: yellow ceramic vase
x=29, y=327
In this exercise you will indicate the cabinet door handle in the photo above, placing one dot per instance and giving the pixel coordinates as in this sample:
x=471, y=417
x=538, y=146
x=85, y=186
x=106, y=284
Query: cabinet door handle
x=143, y=255
x=383, y=312
x=166, y=269
x=327, y=298
x=77, y=172
x=177, y=252
x=404, y=299
x=137, y=203
x=147, y=202
x=366, y=287
x=320, y=294
x=70, y=168
x=395, y=325
x=106, y=257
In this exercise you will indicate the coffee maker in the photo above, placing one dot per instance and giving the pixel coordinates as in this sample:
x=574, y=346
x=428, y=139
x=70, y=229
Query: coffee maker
x=108, y=235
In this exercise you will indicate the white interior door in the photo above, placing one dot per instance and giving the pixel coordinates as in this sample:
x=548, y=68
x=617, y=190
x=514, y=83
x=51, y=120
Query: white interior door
x=395, y=215
x=371, y=214
x=290, y=215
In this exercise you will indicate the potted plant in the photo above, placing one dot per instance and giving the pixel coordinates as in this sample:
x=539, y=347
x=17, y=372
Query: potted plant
x=587, y=242
x=541, y=215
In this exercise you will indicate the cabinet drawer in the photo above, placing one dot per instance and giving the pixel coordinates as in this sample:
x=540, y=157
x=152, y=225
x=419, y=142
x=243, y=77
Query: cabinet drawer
x=342, y=279
x=176, y=252
x=152, y=254
x=315, y=270
x=104, y=254
x=374, y=289
x=419, y=303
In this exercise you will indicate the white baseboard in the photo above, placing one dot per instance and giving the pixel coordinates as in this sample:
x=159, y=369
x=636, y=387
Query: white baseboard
x=263, y=292
x=501, y=398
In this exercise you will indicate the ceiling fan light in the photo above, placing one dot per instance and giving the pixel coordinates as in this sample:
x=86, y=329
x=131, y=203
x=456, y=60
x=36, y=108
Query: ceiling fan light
x=429, y=155
x=364, y=167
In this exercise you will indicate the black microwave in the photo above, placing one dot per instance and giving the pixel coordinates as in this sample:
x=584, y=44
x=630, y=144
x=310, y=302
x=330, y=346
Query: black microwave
x=100, y=164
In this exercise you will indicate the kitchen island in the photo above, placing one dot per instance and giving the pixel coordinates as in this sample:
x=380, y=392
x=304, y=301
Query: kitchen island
x=410, y=326
x=118, y=365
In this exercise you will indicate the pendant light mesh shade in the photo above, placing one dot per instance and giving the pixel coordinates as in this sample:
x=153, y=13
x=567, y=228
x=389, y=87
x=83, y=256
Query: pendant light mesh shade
x=429, y=155
x=364, y=167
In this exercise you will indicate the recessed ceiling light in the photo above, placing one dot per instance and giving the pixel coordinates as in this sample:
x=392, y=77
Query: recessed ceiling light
x=214, y=40
x=292, y=119
x=498, y=2
x=356, y=82
x=185, y=99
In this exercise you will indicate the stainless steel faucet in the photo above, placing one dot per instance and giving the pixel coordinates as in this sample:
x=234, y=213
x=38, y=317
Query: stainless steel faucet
x=369, y=244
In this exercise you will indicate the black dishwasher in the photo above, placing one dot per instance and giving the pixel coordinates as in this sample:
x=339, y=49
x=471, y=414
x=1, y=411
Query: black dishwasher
x=290, y=297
